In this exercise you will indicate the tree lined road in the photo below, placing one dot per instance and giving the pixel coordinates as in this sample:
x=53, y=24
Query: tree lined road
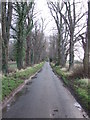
x=44, y=97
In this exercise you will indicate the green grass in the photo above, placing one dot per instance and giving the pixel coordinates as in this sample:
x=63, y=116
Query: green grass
x=83, y=96
x=58, y=70
x=12, y=81
x=81, y=87
x=83, y=83
x=24, y=74
x=9, y=84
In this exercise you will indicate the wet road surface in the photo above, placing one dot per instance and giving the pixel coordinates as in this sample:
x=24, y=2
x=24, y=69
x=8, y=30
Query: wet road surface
x=43, y=97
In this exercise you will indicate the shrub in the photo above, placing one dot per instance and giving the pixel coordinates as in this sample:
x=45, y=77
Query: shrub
x=78, y=72
x=57, y=64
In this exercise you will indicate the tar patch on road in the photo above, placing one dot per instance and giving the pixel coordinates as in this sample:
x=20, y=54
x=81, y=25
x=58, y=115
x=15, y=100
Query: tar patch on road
x=28, y=83
x=54, y=113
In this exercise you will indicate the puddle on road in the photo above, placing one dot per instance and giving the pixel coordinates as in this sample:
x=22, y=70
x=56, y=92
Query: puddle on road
x=76, y=104
x=24, y=91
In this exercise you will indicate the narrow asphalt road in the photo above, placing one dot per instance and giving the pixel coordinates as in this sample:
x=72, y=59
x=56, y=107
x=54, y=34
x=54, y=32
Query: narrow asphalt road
x=43, y=97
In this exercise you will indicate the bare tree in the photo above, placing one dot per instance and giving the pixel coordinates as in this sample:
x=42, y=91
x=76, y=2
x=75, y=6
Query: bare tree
x=71, y=19
x=58, y=20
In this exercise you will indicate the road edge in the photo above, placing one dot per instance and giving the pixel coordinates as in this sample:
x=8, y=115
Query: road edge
x=85, y=114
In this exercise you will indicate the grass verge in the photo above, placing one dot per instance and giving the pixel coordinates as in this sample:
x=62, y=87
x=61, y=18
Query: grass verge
x=12, y=81
x=79, y=86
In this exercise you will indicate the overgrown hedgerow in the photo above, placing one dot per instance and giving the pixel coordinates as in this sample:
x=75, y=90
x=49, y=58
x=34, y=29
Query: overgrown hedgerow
x=78, y=72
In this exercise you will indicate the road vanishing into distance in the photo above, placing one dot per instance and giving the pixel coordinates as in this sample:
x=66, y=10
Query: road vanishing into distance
x=43, y=97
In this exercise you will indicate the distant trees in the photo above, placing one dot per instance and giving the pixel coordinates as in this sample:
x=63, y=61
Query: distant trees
x=53, y=47
x=38, y=44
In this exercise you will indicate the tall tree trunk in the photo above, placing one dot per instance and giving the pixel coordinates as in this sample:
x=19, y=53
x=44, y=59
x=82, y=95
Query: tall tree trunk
x=87, y=47
x=6, y=23
x=19, y=55
x=0, y=53
x=20, y=46
x=28, y=56
x=71, y=52
x=4, y=62
x=58, y=49
x=62, y=49
x=63, y=55
x=89, y=32
x=59, y=43
x=32, y=58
